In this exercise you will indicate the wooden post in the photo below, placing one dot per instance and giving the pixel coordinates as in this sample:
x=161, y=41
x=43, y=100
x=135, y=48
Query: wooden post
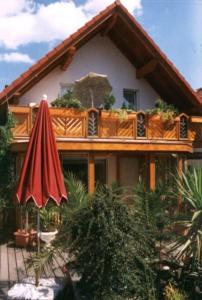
x=180, y=171
x=91, y=173
x=152, y=172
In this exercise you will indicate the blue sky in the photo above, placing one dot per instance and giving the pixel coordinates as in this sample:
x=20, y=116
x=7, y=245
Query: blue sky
x=30, y=28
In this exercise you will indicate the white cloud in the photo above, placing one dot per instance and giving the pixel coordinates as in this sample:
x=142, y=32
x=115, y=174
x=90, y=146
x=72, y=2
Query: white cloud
x=24, y=21
x=16, y=57
x=93, y=6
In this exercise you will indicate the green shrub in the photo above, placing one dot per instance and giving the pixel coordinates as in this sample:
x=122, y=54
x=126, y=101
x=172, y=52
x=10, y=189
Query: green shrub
x=153, y=206
x=111, y=248
x=109, y=101
x=67, y=100
x=190, y=188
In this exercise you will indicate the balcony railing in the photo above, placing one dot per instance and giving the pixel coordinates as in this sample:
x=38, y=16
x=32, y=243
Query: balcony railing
x=72, y=123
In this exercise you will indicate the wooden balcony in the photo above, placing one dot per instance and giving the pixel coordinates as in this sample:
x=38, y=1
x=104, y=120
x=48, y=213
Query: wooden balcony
x=75, y=129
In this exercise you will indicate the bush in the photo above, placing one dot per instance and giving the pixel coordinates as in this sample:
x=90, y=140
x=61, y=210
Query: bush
x=111, y=248
x=67, y=100
x=109, y=101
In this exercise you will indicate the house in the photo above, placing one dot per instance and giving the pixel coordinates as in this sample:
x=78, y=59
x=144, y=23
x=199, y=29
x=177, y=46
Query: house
x=121, y=150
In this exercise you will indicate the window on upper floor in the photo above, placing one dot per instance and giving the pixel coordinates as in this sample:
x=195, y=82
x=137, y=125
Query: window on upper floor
x=131, y=98
x=65, y=87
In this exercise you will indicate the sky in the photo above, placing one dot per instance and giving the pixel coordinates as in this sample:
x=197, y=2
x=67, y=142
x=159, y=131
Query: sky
x=31, y=28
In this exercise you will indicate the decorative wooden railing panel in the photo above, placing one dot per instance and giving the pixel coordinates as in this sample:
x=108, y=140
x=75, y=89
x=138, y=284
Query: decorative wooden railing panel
x=68, y=123
x=112, y=125
x=23, y=121
x=157, y=129
x=71, y=123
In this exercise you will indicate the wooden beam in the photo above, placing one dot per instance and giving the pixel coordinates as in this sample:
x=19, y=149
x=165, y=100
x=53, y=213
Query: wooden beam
x=91, y=173
x=68, y=58
x=152, y=172
x=75, y=145
x=110, y=25
x=180, y=163
x=148, y=68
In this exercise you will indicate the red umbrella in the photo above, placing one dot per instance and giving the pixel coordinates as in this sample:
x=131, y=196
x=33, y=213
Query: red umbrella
x=41, y=176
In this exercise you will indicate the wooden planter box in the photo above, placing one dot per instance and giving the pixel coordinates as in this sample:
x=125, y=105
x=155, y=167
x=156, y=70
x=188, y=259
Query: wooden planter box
x=21, y=238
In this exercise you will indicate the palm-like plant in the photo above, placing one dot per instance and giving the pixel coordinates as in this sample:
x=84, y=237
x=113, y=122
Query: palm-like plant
x=190, y=188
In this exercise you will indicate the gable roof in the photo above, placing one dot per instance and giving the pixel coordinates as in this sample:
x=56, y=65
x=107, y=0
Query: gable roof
x=132, y=40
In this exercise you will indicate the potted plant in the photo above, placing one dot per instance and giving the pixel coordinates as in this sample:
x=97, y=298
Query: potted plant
x=48, y=224
x=67, y=101
x=165, y=112
x=109, y=101
x=22, y=234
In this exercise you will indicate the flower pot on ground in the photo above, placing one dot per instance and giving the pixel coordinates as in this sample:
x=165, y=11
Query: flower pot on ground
x=21, y=238
x=49, y=222
x=47, y=237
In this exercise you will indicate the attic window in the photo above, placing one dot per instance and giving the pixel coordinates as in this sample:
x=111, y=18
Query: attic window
x=65, y=87
x=130, y=96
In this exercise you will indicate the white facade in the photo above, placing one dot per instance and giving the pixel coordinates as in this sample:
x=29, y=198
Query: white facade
x=101, y=56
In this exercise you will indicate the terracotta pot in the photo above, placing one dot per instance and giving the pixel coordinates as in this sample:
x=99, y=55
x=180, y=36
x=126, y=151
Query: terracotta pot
x=21, y=238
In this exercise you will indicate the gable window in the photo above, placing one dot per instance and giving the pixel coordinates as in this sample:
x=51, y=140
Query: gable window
x=65, y=87
x=130, y=97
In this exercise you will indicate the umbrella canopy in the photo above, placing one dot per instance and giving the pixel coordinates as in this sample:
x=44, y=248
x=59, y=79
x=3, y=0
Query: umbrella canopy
x=41, y=176
x=92, y=88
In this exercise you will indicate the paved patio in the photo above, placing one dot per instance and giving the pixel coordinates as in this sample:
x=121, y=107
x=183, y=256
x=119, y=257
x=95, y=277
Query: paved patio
x=13, y=266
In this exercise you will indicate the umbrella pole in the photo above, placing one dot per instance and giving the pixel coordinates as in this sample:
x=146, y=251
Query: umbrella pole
x=38, y=230
x=38, y=245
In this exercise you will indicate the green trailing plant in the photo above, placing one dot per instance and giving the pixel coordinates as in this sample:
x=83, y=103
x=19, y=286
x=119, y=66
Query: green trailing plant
x=167, y=112
x=109, y=101
x=190, y=189
x=110, y=247
x=68, y=100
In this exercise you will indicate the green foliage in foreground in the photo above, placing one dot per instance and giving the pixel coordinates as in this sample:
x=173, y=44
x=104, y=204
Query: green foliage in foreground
x=154, y=205
x=6, y=164
x=190, y=187
x=111, y=248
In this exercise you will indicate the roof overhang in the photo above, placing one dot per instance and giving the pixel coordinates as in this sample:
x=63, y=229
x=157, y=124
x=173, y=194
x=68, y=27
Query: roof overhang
x=131, y=39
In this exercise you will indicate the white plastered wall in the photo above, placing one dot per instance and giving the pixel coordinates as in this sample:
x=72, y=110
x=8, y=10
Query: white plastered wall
x=99, y=55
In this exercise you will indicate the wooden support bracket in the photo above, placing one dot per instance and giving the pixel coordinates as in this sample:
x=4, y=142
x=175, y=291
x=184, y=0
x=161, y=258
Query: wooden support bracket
x=68, y=58
x=110, y=25
x=146, y=69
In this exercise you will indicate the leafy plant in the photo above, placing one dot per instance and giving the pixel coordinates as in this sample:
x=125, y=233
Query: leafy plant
x=167, y=112
x=39, y=261
x=109, y=101
x=172, y=293
x=110, y=247
x=7, y=182
x=48, y=218
x=124, y=106
x=153, y=205
x=190, y=188
x=67, y=100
